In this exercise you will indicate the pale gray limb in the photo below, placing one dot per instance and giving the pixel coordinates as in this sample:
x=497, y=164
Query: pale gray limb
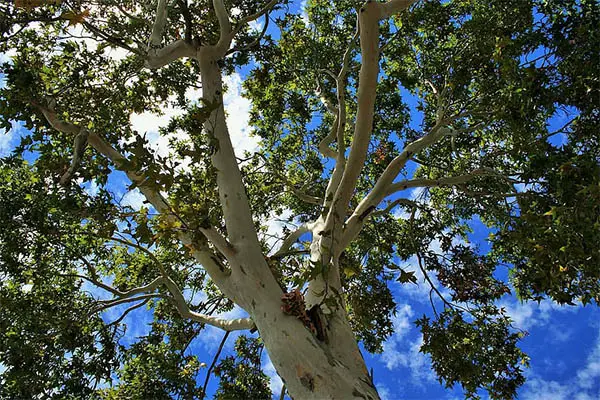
x=292, y=238
x=79, y=145
x=186, y=312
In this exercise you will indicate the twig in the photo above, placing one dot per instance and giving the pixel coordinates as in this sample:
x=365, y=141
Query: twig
x=214, y=361
x=138, y=305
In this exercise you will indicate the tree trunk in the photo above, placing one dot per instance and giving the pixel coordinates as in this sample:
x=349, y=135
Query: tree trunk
x=312, y=368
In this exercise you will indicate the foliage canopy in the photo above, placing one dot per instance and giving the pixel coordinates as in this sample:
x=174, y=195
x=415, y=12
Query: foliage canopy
x=382, y=146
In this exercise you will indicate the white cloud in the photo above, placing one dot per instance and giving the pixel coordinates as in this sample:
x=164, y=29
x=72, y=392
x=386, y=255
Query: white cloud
x=7, y=57
x=193, y=94
x=150, y=123
x=384, y=392
x=27, y=288
x=275, y=382
x=402, y=353
x=590, y=374
x=304, y=12
x=134, y=199
x=8, y=140
x=402, y=321
x=398, y=351
x=237, y=108
x=548, y=390
x=238, y=114
x=256, y=25
x=83, y=36
x=527, y=315
x=583, y=386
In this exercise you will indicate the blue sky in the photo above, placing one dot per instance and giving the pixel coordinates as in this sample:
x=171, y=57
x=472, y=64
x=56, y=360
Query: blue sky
x=563, y=342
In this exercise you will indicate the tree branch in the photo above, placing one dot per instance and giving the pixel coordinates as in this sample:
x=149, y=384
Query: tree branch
x=214, y=361
x=393, y=7
x=219, y=242
x=115, y=292
x=339, y=125
x=255, y=41
x=225, y=36
x=445, y=181
x=201, y=253
x=158, y=28
x=113, y=303
x=393, y=205
x=130, y=309
x=185, y=312
x=306, y=197
x=158, y=56
x=367, y=87
x=255, y=16
x=173, y=51
x=289, y=241
x=109, y=38
x=380, y=191
x=327, y=140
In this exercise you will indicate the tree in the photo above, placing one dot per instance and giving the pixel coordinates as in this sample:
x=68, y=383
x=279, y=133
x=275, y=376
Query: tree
x=341, y=147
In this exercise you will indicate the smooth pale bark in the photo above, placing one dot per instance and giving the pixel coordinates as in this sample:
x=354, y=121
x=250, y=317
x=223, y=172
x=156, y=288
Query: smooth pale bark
x=310, y=368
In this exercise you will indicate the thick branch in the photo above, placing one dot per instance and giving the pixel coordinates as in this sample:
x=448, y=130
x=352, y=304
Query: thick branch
x=307, y=198
x=232, y=193
x=224, y=23
x=219, y=242
x=380, y=190
x=116, y=292
x=339, y=124
x=394, y=7
x=158, y=56
x=356, y=221
x=445, y=181
x=367, y=87
x=369, y=17
x=109, y=152
x=289, y=241
x=185, y=312
x=159, y=25
x=201, y=253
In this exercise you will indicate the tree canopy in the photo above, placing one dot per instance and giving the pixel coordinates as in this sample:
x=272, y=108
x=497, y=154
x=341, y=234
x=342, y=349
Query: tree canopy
x=382, y=130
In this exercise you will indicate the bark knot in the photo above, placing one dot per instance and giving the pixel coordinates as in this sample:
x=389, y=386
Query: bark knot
x=293, y=304
x=308, y=382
